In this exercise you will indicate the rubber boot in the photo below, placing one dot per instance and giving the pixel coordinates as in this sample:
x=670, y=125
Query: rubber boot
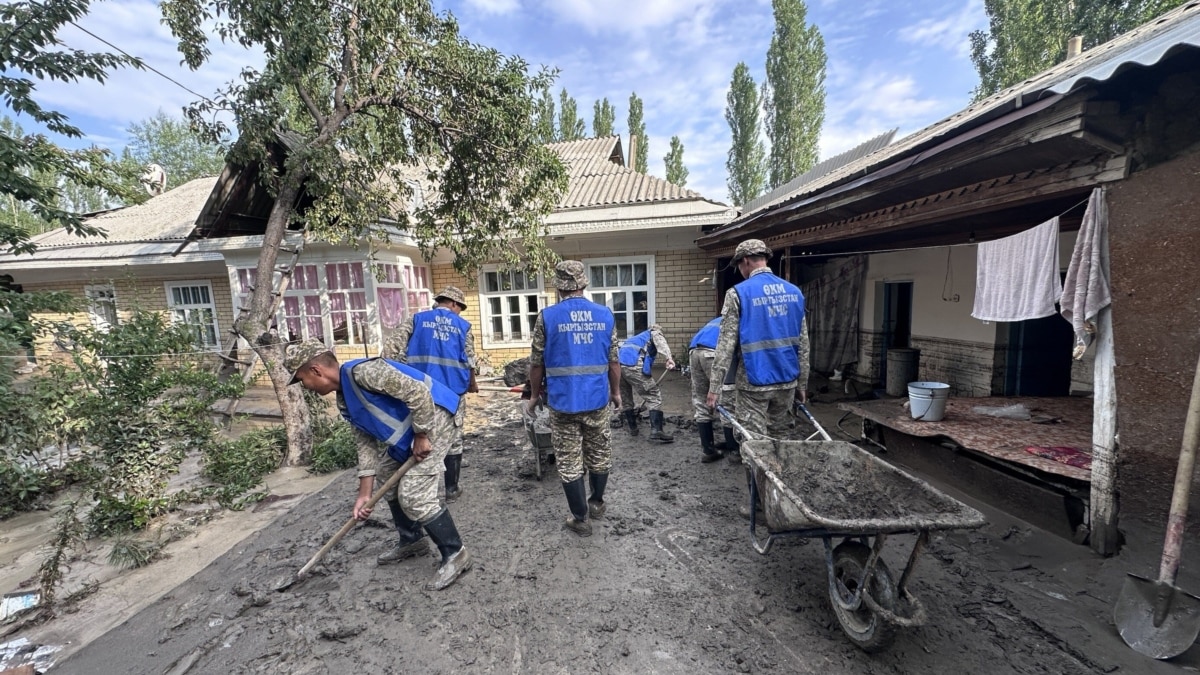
x=632, y=421
x=656, y=428
x=596, y=505
x=453, y=471
x=577, y=522
x=719, y=442
x=706, y=442
x=732, y=453
x=412, y=540
x=455, y=557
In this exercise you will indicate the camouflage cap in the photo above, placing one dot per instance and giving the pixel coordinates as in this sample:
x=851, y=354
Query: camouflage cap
x=452, y=293
x=751, y=247
x=570, y=275
x=655, y=328
x=300, y=353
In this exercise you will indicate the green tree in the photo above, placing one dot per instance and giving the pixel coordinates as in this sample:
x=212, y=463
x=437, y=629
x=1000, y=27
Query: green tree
x=570, y=124
x=543, y=117
x=746, y=163
x=677, y=173
x=637, y=127
x=1025, y=37
x=603, y=117
x=175, y=146
x=384, y=86
x=794, y=94
x=30, y=52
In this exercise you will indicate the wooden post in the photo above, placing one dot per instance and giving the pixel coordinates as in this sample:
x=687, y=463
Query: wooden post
x=1104, y=533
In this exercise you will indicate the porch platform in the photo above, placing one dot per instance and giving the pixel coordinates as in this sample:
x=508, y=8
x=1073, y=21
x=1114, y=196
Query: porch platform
x=1055, y=422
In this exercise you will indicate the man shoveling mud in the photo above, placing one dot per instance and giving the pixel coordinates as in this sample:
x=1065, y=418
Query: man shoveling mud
x=401, y=411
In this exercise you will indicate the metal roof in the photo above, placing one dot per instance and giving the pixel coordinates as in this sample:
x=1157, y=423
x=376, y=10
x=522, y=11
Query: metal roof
x=599, y=177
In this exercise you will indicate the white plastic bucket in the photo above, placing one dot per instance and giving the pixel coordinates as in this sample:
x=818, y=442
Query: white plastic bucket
x=927, y=400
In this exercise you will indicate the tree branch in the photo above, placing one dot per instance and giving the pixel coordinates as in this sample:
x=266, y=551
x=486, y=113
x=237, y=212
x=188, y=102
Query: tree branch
x=349, y=58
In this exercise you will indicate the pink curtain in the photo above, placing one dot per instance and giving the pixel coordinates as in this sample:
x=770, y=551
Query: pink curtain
x=391, y=307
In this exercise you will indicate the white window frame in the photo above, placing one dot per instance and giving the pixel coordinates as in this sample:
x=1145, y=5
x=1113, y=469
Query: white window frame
x=487, y=314
x=212, y=306
x=628, y=290
x=413, y=284
x=98, y=294
x=354, y=317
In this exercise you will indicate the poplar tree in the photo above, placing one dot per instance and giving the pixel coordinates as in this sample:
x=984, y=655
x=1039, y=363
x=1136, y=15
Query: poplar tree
x=637, y=127
x=570, y=124
x=543, y=117
x=603, y=117
x=677, y=173
x=746, y=163
x=794, y=95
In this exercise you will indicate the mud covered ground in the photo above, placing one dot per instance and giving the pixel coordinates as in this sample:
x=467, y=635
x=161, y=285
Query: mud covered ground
x=667, y=584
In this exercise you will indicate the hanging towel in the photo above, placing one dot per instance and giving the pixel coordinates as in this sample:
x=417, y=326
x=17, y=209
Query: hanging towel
x=1086, y=292
x=1017, y=277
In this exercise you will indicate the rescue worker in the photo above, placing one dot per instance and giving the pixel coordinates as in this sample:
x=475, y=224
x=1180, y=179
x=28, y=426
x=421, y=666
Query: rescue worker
x=389, y=402
x=637, y=355
x=575, y=349
x=701, y=352
x=438, y=342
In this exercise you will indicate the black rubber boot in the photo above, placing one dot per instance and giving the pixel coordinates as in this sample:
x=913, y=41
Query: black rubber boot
x=412, y=540
x=719, y=442
x=706, y=442
x=656, y=428
x=577, y=522
x=631, y=421
x=455, y=557
x=453, y=471
x=596, y=506
x=732, y=452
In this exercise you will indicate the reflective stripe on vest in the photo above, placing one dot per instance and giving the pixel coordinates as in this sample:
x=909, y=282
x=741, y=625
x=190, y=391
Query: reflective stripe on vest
x=707, y=336
x=383, y=417
x=634, y=347
x=769, y=331
x=438, y=347
x=578, y=339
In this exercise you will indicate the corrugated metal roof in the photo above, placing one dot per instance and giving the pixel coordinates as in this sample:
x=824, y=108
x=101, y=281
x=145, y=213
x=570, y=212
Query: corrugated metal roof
x=1146, y=45
x=598, y=178
x=781, y=193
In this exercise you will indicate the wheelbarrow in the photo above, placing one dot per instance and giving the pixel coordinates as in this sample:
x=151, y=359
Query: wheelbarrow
x=537, y=427
x=834, y=490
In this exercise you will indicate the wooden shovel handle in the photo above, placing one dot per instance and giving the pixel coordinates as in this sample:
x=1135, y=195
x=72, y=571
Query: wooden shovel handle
x=1172, y=547
x=387, y=487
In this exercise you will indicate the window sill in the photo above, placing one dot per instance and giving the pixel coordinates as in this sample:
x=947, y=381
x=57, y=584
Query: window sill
x=493, y=344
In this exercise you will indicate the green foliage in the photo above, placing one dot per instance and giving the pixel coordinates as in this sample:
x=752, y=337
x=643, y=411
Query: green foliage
x=637, y=127
x=604, y=115
x=794, y=93
x=239, y=466
x=31, y=52
x=543, y=117
x=746, y=163
x=677, y=173
x=1025, y=37
x=128, y=553
x=175, y=146
x=570, y=124
x=68, y=533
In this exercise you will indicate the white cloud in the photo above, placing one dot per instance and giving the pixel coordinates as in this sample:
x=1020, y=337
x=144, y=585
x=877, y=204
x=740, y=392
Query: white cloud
x=950, y=32
x=629, y=16
x=872, y=101
x=495, y=6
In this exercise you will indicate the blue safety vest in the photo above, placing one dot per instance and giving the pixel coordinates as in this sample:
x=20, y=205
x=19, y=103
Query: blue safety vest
x=578, y=339
x=383, y=417
x=632, y=348
x=438, y=347
x=707, y=337
x=772, y=311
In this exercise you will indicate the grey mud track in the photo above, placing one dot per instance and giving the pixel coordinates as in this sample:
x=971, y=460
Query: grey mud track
x=667, y=584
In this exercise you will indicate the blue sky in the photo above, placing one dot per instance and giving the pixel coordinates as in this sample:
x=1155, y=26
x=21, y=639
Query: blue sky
x=891, y=64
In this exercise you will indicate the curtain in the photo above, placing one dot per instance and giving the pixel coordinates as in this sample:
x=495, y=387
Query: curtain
x=832, y=307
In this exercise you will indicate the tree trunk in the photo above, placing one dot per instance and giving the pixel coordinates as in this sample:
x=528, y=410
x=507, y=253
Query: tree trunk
x=254, y=326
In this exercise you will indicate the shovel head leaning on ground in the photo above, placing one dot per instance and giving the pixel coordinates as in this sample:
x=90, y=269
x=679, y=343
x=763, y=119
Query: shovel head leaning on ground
x=1155, y=618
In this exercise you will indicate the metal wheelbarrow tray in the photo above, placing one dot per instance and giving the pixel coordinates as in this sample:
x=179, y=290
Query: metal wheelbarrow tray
x=543, y=449
x=834, y=489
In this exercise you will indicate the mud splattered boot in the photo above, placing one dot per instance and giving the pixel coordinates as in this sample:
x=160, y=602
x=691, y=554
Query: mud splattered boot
x=706, y=442
x=453, y=471
x=577, y=522
x=719, y=442
x=732, y=452
x=412, y=541
x=631, y=421
x=455, y=557
x=656, y=428
x=596, y=506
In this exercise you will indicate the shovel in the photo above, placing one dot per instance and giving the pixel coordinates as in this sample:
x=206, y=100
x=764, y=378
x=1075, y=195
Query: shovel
x=319, y=555
x=1154, y=617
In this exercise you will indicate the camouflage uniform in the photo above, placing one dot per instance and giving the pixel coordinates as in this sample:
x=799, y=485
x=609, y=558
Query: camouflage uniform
x=418, y=489
x=760, y=409
x=634, y=380
x=581, y=440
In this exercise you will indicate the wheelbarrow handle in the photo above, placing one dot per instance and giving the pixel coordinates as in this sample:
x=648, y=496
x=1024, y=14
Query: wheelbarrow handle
x=727, y=418
x=820, y=429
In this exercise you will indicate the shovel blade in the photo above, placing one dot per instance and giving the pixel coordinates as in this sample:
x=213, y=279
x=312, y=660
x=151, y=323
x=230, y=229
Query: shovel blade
x=1156, y=619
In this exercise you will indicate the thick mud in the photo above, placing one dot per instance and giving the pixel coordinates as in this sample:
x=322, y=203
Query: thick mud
x=667, y=584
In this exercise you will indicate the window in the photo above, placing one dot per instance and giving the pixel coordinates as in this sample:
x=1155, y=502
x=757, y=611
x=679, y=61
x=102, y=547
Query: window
x=347, y=302
x=509, y=307
x=624, y=286
x=302, y=306
x=102, y=306
x=191, y=305
x=403, y=291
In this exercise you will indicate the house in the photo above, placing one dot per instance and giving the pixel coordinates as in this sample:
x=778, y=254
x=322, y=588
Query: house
x=193, y=250
x=904, y=224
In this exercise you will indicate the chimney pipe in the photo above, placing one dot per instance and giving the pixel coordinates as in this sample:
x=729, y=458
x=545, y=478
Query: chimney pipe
x=633, y=141
x=1074, y=46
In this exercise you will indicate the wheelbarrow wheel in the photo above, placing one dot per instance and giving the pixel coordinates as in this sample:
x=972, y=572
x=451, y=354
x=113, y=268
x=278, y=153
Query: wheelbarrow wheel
x=870, y=632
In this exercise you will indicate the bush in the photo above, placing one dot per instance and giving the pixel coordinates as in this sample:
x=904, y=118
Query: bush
x=333, y=441
x=239, y=466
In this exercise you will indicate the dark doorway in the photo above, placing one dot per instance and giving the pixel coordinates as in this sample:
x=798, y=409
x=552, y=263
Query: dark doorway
x=1039, y=357
x=897, y=320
